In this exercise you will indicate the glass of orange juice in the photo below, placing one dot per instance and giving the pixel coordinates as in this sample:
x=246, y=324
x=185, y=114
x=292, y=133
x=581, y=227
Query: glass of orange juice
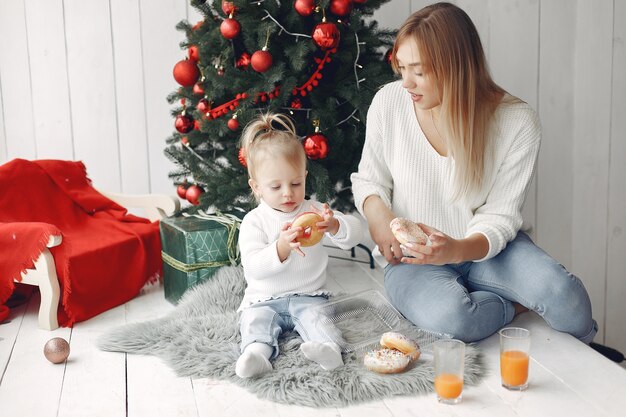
x=514, y=359
x=449, y=366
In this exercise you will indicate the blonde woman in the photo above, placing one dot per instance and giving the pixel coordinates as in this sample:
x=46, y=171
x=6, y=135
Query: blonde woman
x=285, y=280
x=449, y=148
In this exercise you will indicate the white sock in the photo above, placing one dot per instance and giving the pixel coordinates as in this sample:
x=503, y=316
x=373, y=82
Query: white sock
x=327, y=354
x=254, y=360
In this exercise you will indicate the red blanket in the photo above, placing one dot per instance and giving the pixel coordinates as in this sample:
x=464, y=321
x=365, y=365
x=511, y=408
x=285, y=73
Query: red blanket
x=106, y=255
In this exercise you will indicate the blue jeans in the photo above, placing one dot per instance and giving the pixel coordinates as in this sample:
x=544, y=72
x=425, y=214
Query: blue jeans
x=472, y=300
x=263, y=322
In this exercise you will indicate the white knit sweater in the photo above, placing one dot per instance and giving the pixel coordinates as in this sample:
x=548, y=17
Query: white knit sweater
x=400, y=165
x=269, y=278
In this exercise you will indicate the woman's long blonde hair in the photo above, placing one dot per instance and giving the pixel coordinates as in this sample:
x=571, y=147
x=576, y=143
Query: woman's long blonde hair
x=452, y=54
x=269, y=136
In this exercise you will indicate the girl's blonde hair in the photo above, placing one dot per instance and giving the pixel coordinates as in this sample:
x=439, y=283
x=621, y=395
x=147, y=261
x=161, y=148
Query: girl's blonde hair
x=270, y=136
x=452, y=55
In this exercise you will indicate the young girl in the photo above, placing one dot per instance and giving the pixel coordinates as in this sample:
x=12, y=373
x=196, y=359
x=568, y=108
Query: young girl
x=285, y=281
x=448, y=147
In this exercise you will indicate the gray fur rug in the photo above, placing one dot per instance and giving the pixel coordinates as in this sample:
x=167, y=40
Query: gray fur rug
x=200, y=338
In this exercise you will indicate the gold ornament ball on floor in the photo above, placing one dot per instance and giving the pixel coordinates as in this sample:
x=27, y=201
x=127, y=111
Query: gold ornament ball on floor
x=56, y=350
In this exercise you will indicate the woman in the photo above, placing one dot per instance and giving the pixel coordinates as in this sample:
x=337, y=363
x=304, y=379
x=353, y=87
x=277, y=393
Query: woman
x=449, y=148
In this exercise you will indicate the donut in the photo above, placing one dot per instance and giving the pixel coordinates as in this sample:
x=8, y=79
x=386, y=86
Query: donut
x=397, y=341
x=386, y=361
x=407, y=231
x=310, y=234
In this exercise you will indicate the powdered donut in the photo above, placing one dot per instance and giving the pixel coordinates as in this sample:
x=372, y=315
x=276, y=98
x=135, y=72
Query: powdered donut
x=397, y=341
x=310, y=234
x=386, y=361
x=407, y=231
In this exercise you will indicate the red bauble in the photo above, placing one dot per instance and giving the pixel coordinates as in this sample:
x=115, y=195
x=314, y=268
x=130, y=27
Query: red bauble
x=194, y=54
x=326, y=35
x=228, y=7
x=341, y=7
x=184, y=140
x=304, y=7
x=230, y=28
x=197, y=25
x=242, y=158
x=389, y=55
x=261, y=60
x=183, y=123
x=203, y=105
x=186, y=72
x=197, y=89
x=181, y=190
x=316, y=146
x=243, y=61
x=193, y=194
x=233, y=124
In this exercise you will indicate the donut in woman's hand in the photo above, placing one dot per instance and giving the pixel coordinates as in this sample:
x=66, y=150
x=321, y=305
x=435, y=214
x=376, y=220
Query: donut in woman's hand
x=386, y=361
x=309, y=235
x=407, y=231
x=397, y=341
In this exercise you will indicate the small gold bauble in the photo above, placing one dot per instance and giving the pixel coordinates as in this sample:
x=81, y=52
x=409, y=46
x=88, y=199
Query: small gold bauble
x=56, y=350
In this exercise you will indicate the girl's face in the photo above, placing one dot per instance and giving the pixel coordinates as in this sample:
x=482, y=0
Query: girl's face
x=279, y=183
x=417, y=83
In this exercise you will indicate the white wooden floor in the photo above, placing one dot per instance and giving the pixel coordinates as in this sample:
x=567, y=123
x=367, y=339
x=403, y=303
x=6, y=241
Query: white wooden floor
x=567, y=377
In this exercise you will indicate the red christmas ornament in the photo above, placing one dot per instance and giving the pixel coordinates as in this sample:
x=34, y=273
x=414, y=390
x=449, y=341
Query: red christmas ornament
x=183, y=123
x=220, y=71
x=228, y=7
x=261, y=60
x=233, y=124
x=193, y=194
x=296, y=103
x=326, y=35
x=181, y=190
x=316, y=146
x=230, y=28
x=197, y=89
x=186, y=73
x=184, y=140
x=243, y=61
x=242, y=158
x=341, y=7
x=203, y=105
x=194, y=54
x=197, y=25
x=304, y=7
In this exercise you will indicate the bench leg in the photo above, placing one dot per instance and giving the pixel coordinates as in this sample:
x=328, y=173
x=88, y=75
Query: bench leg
x=49, y=289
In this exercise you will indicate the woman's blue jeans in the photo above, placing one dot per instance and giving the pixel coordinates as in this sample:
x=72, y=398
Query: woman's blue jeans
x=472, y=300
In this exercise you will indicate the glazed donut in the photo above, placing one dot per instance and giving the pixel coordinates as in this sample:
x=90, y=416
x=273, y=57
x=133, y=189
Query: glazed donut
x=397, y=341
x=310, y=234
x=407, y=231
x=386, y=361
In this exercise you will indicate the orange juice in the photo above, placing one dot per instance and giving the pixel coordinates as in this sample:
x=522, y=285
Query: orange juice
x=514, y=367
x=448, y=386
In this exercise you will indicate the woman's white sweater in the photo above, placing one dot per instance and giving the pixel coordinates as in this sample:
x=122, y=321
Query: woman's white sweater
x=401, y=166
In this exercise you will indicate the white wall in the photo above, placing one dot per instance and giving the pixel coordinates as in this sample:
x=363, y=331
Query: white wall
x=88, y=79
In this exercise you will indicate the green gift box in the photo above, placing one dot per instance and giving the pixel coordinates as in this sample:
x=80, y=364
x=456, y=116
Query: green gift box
x=194, y=247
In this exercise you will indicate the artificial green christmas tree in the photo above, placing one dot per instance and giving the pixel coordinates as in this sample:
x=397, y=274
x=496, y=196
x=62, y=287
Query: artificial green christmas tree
x=320, y=62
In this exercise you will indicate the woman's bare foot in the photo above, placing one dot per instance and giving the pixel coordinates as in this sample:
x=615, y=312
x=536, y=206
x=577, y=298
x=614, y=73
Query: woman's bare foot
x=519, y=309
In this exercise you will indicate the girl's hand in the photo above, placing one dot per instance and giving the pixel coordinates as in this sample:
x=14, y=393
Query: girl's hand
x=286, y=242
x=443, y=249
x=330, y=224
x=378, y=219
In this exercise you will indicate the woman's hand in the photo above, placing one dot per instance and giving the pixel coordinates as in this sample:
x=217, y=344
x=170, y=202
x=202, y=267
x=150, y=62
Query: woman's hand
x=443, y=249
x=330, y=224
x=286, y=242
x=378, y=218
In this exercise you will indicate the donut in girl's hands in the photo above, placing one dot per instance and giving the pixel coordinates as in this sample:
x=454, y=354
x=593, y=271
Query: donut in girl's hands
x=407, y=231
x=309, y=235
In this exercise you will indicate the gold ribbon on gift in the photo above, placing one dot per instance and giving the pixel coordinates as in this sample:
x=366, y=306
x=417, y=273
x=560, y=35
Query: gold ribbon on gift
x=231, y=222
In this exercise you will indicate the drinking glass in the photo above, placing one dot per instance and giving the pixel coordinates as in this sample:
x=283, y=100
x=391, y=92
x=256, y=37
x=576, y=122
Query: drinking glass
x=449, y=366
x=514, y=359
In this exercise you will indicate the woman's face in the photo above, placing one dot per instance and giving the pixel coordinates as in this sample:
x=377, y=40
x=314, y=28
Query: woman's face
x=417, y=83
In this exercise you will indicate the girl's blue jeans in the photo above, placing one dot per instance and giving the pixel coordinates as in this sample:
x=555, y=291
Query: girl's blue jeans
x=472, y=300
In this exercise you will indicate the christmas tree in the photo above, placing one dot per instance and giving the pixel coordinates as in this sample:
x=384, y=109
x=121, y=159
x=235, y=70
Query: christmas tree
x=318, y=61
